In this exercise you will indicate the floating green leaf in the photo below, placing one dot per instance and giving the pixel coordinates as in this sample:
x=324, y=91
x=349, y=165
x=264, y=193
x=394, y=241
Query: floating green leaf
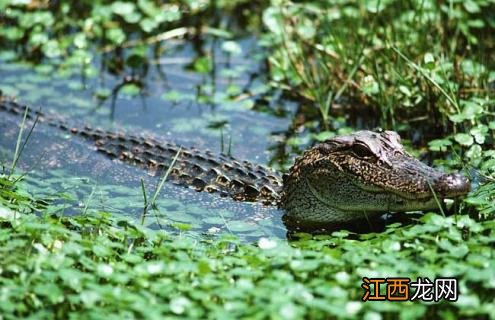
x=464, y=139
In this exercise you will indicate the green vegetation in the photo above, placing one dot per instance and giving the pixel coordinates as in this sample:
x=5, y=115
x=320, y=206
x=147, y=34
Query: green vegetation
x=423, y=65
x=423, y=68
x=99, y=265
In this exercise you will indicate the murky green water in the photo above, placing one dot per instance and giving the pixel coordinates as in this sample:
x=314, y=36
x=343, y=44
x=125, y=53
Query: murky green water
x=228, y=108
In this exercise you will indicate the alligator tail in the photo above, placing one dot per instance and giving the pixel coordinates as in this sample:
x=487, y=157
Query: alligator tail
x=201, y=170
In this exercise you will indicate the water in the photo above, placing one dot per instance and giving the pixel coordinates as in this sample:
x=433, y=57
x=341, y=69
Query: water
x=217, y=110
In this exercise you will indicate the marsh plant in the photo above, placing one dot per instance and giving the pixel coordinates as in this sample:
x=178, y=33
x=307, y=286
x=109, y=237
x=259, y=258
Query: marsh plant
x=423, y=68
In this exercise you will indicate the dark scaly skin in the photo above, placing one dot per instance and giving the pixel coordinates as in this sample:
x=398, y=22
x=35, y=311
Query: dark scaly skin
x=361, y=175
x=202, y=170
x=343, y=179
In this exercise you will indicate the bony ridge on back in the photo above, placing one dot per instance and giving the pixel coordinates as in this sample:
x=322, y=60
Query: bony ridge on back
x=346, y=178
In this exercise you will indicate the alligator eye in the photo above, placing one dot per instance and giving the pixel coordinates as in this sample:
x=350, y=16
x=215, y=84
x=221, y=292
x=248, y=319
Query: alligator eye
x=362, y=151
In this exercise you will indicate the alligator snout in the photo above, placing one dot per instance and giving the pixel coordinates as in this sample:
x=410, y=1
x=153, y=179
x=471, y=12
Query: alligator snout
x=451, y=185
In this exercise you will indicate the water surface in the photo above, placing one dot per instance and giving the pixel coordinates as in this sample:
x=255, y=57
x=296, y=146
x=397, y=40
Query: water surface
x=218, y=110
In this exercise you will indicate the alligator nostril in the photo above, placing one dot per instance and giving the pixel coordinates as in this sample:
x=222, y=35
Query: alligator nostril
x=452, y=185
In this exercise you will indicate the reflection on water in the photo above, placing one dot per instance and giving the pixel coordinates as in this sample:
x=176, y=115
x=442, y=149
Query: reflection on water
x=170, y=97
x=67, y=168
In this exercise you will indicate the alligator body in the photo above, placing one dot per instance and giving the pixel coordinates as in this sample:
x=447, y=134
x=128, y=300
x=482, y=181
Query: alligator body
x=343, y=179
x=201, y=170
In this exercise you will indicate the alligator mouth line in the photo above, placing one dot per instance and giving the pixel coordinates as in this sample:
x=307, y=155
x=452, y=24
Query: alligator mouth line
x=324, y=201
x=376, y=190
x=427, y=202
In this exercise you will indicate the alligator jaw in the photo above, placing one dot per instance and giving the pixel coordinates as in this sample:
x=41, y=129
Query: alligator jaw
x=452, y=185
x=446, y=186
x=361, y=173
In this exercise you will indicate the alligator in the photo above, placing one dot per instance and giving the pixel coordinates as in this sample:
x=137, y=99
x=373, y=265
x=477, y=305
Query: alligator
x=343, y=179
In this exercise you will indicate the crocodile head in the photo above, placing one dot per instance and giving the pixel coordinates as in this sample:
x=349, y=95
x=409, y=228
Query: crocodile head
x=362, y=174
